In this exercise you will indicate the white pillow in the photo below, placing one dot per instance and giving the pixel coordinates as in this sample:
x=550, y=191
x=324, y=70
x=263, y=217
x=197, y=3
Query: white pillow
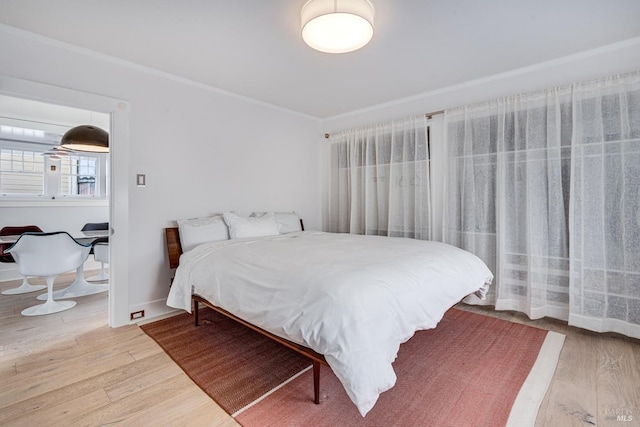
x=288, y=222
x=240, y=227
x=195, y=231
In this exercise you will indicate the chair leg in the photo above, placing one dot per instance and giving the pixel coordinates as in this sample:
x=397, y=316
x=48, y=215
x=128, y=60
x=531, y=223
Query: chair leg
x=79, y=288
x=51, y=306
x=99, y=277
x=24, y=288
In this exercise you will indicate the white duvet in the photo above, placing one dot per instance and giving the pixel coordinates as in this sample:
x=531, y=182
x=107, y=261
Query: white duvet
x=352, y=298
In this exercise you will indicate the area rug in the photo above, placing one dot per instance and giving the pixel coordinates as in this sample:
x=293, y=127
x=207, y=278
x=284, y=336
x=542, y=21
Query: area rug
x=471, y=370
x=233, y=364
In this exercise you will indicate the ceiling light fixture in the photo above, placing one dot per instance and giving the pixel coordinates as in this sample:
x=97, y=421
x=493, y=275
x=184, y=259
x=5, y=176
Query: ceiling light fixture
x=56, y=153
x=86, y=138
x=337, y=26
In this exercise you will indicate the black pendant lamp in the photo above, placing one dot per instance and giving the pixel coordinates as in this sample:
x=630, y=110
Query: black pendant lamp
x=86, y=138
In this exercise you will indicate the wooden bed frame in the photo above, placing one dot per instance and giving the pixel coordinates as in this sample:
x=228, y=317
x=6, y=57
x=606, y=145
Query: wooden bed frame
x=174, y=250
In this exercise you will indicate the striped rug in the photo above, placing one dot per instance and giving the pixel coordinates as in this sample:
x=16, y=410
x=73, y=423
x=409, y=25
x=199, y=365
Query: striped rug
x=472, y=370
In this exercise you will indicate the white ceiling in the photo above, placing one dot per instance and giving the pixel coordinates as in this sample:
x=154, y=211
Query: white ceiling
x=254, y=48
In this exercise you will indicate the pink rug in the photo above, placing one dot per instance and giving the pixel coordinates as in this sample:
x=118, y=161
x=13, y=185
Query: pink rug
x=465, y=372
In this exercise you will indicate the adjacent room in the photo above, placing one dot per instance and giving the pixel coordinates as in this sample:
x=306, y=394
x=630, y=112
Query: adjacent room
x=321, y=212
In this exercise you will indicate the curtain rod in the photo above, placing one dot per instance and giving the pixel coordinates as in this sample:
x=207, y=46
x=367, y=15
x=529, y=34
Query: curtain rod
x=427, y=115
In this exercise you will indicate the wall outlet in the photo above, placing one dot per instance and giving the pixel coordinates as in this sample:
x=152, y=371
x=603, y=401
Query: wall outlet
x=137, y=315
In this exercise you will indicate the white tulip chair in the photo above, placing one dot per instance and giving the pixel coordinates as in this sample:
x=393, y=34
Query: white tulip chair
x=48, y=255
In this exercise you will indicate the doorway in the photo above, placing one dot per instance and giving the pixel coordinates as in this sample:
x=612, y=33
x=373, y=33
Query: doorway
x=116, y=189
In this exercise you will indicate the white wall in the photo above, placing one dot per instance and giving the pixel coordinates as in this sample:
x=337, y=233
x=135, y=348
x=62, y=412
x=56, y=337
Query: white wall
x=202, y=150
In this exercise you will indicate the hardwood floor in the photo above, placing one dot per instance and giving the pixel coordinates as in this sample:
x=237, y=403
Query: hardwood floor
x=71, y=369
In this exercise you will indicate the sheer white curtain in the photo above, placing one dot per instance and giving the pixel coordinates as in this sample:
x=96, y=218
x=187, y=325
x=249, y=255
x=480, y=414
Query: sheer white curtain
x=605, y=196
x=545, y=187
x=380, y=180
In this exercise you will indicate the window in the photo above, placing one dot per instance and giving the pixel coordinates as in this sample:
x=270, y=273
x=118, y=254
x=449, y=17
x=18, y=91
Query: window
x=29, y=169
x=79, y=175
x=21, y=172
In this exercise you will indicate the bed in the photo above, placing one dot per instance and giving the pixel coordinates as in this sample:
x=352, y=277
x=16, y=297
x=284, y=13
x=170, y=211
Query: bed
x=347, y=301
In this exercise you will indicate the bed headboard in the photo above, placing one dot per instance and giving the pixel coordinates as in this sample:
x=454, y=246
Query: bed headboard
x=174, y=248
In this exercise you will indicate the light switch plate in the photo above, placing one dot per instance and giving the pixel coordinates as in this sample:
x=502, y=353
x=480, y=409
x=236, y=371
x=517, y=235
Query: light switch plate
x=141, y=180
